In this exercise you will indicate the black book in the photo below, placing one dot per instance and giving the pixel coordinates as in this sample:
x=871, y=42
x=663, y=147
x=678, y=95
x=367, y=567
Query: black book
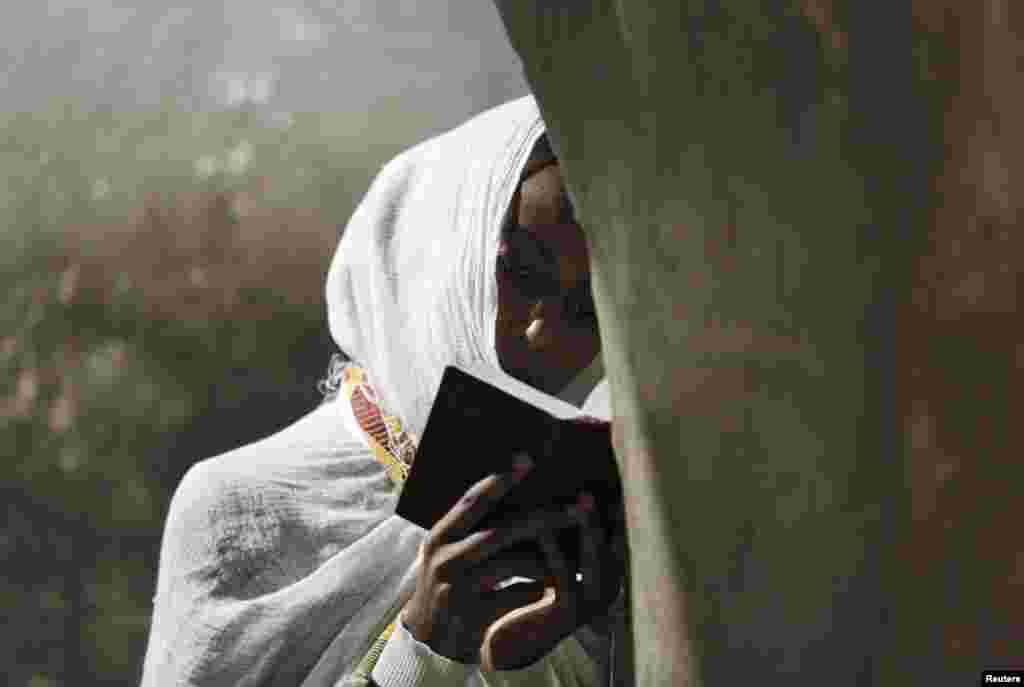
x=479, y=422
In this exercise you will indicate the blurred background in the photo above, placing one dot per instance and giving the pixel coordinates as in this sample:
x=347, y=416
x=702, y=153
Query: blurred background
x=173, y=184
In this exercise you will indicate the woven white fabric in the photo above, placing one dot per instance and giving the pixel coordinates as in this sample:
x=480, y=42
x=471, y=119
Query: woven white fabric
x=282, y=560
x=407, y=661
x=275, y=556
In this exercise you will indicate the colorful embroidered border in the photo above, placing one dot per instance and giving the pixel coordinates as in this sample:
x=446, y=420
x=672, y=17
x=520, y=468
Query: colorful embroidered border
x=394, y=449
x=391, y=445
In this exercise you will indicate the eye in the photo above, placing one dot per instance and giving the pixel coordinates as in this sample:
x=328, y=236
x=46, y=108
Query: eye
x=529, y=280
x=524, y=271
x=524, y=261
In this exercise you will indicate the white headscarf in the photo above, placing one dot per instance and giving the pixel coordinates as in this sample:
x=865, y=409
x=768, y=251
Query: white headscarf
x=412, y=287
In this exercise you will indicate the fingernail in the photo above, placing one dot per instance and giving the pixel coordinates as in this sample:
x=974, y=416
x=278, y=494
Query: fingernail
x=523, y=464
x=488, y=583
x=585, y=502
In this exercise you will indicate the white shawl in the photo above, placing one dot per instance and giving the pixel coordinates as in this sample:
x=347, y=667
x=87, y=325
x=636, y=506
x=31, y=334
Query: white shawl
x=412, y=287
x=282, y=560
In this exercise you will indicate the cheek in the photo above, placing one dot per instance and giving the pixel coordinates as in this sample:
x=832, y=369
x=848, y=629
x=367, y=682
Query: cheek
x=512, y=319
x=510, y=308
x=569, y=351
x=578, y=348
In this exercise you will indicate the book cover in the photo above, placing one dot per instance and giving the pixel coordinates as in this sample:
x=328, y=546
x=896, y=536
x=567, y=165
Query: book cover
x=479, y=422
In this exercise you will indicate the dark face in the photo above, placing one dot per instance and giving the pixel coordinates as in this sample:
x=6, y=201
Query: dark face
x=546, y=330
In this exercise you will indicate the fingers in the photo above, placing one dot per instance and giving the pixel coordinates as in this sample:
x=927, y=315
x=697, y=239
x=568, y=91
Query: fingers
x=590, y=420
x=502, y=567
x=559, y=566
x=458, y=557
x=517, y=635
x=516, y=596
x=476, y=503
x=567, y=613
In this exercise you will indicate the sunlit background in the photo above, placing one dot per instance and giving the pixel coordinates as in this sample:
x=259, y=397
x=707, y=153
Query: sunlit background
x=173, y=183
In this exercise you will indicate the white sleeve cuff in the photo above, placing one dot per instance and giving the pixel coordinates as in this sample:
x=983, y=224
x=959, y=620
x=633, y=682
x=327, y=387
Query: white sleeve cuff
x=538, y=674
x=407, y=662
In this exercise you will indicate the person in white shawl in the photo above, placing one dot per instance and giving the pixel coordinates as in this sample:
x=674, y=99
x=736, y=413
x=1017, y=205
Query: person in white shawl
x=282, y=561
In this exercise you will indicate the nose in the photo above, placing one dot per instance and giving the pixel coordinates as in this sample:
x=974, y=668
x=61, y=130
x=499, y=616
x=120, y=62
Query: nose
x=543, y=327
x=538, y=335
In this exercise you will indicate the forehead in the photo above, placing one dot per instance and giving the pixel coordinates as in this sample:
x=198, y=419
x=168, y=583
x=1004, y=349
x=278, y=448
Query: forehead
x=540, y=196
x=543, y=197
x=546, y=218
x=541, y=156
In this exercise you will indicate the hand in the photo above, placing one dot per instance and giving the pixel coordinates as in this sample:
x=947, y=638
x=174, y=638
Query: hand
x=525, y=635
x=448, y=611
x=455, y=602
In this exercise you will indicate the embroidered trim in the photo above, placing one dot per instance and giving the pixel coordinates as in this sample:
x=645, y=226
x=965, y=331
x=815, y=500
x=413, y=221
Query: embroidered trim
x=392, y=446
x=395, y=449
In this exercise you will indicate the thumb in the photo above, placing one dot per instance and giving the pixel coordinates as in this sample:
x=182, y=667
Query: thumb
x=523, y=633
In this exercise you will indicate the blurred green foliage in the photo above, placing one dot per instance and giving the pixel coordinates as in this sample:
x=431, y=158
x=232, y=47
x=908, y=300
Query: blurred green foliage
x=160, y=271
